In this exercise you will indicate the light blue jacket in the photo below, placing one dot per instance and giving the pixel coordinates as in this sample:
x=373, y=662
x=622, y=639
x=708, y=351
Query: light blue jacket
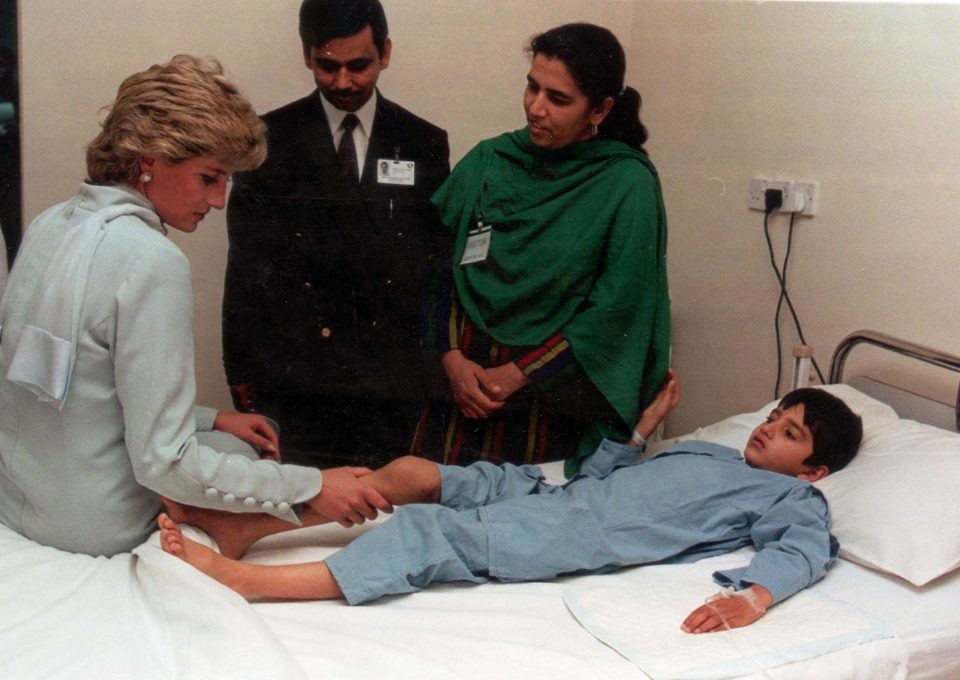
x=82, y=470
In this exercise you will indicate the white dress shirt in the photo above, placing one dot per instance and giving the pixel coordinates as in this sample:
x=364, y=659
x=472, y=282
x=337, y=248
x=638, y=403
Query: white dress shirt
x=361, y=133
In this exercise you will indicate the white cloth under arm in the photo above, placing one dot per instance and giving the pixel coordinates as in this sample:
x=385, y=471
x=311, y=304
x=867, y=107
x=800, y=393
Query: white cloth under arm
x=46, y=349
x=87, y=477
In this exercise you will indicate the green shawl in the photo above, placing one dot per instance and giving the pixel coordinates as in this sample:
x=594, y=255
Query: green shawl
x=578, y=247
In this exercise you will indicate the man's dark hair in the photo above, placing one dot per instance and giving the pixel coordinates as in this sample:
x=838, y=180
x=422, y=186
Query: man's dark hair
x=323, y=20
x=836, y=429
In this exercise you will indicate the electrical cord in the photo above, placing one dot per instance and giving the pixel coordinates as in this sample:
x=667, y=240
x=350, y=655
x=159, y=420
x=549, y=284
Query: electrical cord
x=783, y=296
x=776, y=318
x=773, y=199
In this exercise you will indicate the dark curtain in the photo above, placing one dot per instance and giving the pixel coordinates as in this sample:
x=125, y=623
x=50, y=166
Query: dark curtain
x=10, y=196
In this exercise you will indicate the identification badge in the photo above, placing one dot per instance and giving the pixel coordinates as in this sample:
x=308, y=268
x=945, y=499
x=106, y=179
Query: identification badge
x=391, y=171
x=478, y=243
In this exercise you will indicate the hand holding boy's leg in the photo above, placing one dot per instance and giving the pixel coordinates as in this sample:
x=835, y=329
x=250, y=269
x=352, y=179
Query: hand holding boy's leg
x=403, y=481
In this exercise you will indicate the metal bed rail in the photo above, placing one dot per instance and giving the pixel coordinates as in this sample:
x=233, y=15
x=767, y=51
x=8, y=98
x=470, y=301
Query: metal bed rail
x=928, y=355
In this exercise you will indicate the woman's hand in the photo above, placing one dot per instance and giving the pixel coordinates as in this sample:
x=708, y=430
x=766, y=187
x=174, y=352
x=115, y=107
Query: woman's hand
x=505, y=380
x=252, y=429
x=472, y=390
x=345, y=499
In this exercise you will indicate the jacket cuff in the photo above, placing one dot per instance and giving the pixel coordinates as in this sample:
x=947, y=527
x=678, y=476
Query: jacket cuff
x=205, y=417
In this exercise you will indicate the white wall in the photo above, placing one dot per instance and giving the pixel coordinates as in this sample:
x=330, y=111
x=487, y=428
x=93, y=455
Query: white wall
x=863, y=98
x=458, y=63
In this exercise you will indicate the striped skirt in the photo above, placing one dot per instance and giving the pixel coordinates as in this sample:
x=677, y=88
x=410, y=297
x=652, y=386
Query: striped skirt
x=543, y=421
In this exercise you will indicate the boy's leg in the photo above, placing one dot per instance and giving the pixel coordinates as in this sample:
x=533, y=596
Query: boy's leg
x=402, y=481
x=421, y=544
x=308, y=581
x=407, y=480
x=534, y=537
x=483, y=483
x=417, y=480
x=235, y=532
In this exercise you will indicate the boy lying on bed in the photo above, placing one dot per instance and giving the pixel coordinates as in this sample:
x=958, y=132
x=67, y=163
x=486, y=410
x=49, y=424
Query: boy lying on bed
x=694, y=500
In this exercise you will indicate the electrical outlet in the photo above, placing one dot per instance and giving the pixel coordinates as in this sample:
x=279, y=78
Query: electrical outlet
x=798, y=197
x=811, y=196
x=792, y=197
x=757, y=187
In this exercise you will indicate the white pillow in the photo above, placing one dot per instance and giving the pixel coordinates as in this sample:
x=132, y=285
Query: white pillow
x=894, y=507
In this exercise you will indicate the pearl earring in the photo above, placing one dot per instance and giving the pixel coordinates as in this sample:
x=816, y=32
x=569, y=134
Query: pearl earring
x=146, y=178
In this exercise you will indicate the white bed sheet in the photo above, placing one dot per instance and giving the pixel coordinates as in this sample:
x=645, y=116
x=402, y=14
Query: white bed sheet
x=143, y=616
x=926, y=620
x=492, y=630
x=149, y=616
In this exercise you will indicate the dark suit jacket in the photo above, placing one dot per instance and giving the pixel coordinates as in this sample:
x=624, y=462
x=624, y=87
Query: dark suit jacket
x=325, y=278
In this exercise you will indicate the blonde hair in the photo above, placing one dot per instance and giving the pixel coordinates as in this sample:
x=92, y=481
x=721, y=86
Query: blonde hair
x=176, y=111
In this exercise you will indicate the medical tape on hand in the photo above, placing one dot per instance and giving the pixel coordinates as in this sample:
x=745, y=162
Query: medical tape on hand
x=750, y=596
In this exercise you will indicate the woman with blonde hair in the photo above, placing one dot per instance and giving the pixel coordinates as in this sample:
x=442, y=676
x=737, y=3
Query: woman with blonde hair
x=98, y=419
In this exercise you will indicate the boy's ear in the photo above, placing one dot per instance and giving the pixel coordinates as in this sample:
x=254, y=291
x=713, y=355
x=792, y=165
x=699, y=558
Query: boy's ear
x=812, y=474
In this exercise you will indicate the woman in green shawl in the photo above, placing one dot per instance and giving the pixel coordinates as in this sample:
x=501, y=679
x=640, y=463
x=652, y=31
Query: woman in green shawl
x=554, y=326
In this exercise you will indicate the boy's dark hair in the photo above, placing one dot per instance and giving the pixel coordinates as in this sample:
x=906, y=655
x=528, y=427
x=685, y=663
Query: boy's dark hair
x=323, y=20
x=836, y=429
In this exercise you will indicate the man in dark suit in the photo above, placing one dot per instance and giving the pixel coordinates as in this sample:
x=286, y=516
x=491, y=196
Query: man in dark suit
x=331, y=242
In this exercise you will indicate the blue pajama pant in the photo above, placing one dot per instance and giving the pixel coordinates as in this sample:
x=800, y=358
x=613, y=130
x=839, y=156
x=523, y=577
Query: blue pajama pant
x=500, y=521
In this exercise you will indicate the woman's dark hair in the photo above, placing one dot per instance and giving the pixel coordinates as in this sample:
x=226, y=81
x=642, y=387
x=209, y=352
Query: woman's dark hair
x=596, y=62
x=837, y=431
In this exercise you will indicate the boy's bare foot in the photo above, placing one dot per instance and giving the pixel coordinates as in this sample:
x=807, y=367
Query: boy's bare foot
x=308, y=581
x=234, y=533
x=198, y=556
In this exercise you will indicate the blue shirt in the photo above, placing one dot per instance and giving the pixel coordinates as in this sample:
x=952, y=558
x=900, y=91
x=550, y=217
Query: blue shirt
x=692, y=501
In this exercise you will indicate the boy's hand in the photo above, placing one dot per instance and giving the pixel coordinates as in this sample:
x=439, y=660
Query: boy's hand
x=736, y=610
x=662, y=404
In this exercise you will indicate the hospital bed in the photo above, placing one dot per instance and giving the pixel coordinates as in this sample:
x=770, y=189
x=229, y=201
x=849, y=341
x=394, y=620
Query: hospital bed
x=887, y=609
